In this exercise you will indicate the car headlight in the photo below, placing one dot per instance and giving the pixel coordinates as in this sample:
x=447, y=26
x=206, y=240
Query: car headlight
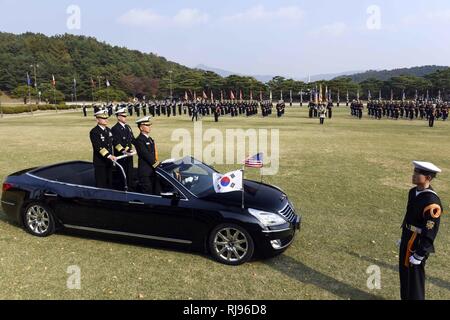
x=268, y=219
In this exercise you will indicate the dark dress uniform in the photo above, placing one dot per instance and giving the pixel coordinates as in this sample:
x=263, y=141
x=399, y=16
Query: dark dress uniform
x=419, y=229
x=123, y=143
x=148, y=162
x=431, y=118
x=102, y=145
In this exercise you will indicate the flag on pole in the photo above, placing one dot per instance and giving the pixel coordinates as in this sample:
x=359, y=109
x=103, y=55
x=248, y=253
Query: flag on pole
x=232, y=97
x=326, y=93
x=229, y=182
x=212, y=96
x=255, y=161
x=28, y=80
x=186, y=97
x=240, y=95
x=320, y=94
x=205, y=96
x=316, y=96
x=380, y=96
x=53, y=81
x=369, y=96
x=195, y=96
x=251, y=95
x=281, y=96
x=357, y=95
x=270, y=95
x=260, y=95
x=392, y=95
x=403, y=95
x=221, y=96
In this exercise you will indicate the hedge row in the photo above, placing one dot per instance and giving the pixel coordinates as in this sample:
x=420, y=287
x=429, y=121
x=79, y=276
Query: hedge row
x=23, y=109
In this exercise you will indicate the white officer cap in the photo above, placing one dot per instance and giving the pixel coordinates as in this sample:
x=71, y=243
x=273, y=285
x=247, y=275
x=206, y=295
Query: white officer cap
x=102, y=114
x=145, y=121
x=426, y=166
x=120, y=111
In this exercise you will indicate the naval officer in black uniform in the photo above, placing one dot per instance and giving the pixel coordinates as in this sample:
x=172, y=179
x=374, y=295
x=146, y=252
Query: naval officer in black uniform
x=419, y=229
x=102, y=147
x=123, y=145
x=148, y=158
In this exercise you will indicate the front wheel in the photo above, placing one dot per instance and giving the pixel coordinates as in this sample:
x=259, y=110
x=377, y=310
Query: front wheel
x=231, y=244
x=38, y=220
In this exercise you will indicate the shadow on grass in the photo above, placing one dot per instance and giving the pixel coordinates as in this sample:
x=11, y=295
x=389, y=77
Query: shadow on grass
x=302, y=273
x=121, y=240
x=436, y=281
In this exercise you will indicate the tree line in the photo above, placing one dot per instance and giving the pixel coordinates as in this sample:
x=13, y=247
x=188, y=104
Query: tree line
x=84, y=67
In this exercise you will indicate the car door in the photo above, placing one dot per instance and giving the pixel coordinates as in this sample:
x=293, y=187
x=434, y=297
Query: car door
x=79, y=206
x=158, y=217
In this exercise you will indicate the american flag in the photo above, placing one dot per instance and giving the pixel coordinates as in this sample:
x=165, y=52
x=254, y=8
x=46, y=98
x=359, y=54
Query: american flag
x=254, y=162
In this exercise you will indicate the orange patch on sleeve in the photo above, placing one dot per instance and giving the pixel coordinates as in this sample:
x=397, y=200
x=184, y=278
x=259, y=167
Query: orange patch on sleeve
x=435, y=210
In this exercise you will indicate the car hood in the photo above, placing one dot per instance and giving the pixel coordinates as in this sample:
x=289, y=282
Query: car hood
x=256, y=195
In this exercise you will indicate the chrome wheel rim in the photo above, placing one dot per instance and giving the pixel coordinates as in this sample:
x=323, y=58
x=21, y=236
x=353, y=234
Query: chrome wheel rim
x=230, y=244
x=37, y=219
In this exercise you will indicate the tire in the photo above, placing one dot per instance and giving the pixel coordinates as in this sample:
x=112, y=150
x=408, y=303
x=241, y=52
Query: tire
x=38, y=220
x=231, y=244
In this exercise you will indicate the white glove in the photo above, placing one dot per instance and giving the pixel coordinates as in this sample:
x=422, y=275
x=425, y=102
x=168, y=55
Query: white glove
x=188, y=180
x=414, y=261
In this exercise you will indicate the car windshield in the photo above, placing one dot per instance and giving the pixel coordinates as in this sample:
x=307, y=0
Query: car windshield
x=194, y=175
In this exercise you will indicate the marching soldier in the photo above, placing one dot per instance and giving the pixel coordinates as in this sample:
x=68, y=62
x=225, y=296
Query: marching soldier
x=102, y=145
x=123, y=145
x=322, y=113
x=148, y=158
x=217, y=113
x=419, y=229
x=330, y=109
x=432, y=116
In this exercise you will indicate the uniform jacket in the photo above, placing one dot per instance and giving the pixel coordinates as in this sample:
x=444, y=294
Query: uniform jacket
x=102, y=146
x=148, y=155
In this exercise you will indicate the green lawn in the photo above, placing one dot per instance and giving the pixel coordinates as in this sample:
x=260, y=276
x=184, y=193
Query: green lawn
x=349, y=178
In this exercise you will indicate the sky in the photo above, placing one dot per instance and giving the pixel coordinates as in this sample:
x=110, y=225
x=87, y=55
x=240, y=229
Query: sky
x=256, y=37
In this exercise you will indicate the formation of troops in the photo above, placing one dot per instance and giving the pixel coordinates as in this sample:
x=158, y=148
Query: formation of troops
x=195, y=110
x=423, y=110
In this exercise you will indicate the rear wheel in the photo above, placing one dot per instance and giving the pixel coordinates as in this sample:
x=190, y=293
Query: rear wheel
x=38, y=220
x=231, y=244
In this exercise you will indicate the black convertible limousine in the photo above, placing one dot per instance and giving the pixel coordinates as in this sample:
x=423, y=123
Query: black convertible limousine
x=187, y=212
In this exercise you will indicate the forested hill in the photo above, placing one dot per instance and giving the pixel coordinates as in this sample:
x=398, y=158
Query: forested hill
x=385, y=75
x=83, y=58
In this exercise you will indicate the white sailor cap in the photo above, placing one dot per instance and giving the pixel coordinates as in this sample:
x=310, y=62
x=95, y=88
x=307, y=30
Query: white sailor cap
x=426, y=167
x=120, y=111
x=102, y=114
x=145, y=121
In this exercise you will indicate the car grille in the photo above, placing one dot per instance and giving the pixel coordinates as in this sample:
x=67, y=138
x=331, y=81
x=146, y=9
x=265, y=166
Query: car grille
x=289, y=213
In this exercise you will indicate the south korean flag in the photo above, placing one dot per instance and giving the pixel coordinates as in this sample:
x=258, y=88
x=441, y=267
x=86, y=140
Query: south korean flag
x=228, y=182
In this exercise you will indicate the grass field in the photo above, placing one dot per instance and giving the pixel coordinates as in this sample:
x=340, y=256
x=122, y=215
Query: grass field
x=349, y=178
